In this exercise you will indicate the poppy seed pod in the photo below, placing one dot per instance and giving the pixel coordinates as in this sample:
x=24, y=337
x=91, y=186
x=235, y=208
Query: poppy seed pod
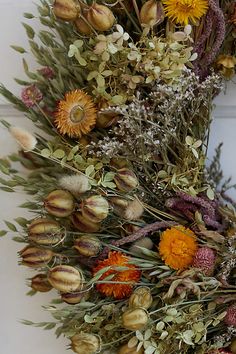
x=100, y=17
x=85, y=343
x=40, y=283
x=87, y=245
x=65, y=278
x=135, y=319
x=95, y=208
x=83, y=224
x=59, y=203
x=125, y=180
x=66, y=10
x=44, y=231
x=141, y=297
x=35, y=257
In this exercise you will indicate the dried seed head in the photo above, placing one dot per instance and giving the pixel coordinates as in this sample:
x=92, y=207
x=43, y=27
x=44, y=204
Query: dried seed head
x=74, y=298
x=125, y=180
x=100, y=17
x=88, y=245
x=126, y=350
x=85, y=343
x=141, y=297
x=134, y=210
x=134, y=319
x=83, y=224
x=95, y=208
x=59, y=203
x=82, y=26
x=35, y=257
x=44, y=231
x=40, y=283
x=66, y=10
x=65, y=278
x=25, y=139
x=152, y=12
x=76, y=184
x=118, y=205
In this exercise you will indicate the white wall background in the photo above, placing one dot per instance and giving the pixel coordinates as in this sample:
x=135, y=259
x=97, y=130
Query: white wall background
x=16, y=338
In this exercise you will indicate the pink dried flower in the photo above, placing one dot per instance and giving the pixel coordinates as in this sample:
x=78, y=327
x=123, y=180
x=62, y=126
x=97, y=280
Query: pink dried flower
x=230, y=318
x=47, y=72
x=30, y=95
x=205, y=260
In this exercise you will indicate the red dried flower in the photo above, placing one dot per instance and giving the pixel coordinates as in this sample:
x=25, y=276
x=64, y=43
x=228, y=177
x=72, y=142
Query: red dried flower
x=230, y=318
x=205, y=260
x=31, y=95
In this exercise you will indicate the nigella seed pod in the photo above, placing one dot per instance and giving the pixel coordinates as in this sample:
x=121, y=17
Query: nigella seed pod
x=65, y=278
x=125, y=180
x=135, y=319
x=141, y=297
x=44, y=231
x=40, y=283
x=95, y=208
x=152, y=12
x=66, y=10
x=100, y=17
x=35, y=257
x=82, y=26
x=126, y=350
x=83, y=224
x=88, y=245
x=74, y=298
x=85, y=343
x=59, y=203
x=118, y=205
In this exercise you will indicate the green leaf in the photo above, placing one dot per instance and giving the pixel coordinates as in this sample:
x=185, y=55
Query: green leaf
x=18, y=49
x=45, y=153
x=29, y=30
x=59, y=154
x=3, y=233
x=89, y=170
x=22, y=221
x=50, y=326
x=10, y=226
x=28, y=15
x=7, y=189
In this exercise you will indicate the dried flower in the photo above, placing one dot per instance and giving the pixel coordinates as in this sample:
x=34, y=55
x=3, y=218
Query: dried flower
x=66, y=10
x=47, y=72
x=73, y=298
x=59, y=203
x=141, y=297
x=233, y=346
x=85, y=343
x=125, y=180
x=185, y=11
x=131, y=275
x=125, y=349
x=178, y=247
x=87, y=245
x=119, y=205
x=134, y=210
x=100, y=17
x=76, y=114
x=225, y=64
x=31, y=95
x=95, y=208
x=82, y=26
x=205, y=260
x=152, y=12
x=135, y=319
x=40, y=283
x=230, y=317
x=76, y=184
x=25, y=139
x=35, y=257
x=65, y=278
x=45, y=231
x=84, y=224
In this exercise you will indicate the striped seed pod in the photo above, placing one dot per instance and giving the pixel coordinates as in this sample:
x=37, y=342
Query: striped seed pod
x=135, y=319
x=83, y=224
x=88, y=245
x=35, y=257
x=40, y=283
x=85, y=343
x=65, y=278
x=74, y=298
x=125, y=180
x=95, y=208
x=44, y=231
x=66, y=10
x=59, y=203
x=119, y=205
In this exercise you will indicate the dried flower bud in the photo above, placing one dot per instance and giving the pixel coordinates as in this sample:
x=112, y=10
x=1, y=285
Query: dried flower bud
x=126, y=350
x=119, y=205
x=74, y=298
x=76, y=184
x=35, y=257
x=66, y=10
x=145, y=242
x=82, y=27
x=59, y=203
x=134, y=210
x=125, y=180
x=100, y=17
x=233, y=346
x=225, y=65
x=95, y=208
x=40, y=283
x=230, y=317
x=141, y=297
x=204, y=259
x=25, y=139
x=152, y=12
x=135, y=319
x=84, y=224
x=66, y=278
x=44, y=231
x=85, y=343
x=88, y=245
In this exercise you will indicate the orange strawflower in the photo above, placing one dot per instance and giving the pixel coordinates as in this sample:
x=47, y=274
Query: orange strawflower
x=130, y=275
x=76, y=114
x=177, y=247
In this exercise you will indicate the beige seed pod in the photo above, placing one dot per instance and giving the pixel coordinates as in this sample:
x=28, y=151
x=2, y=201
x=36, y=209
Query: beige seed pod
x=152, y=12
x=82, y=26
x=88, y=245
x=35, y=257
x=134, y=210
x=95, y=208
x=65, y=278
x=59, y=203
x=233, y=346
x=125, y=180
x=135, y=319
x=75, y=297
x=44, y=231
x=100, y=17
x=126, y=350
x=141, y=297
x=40, y=283
x=118, y=205
x=83, y=224
x=67, y=10
x=85, y=343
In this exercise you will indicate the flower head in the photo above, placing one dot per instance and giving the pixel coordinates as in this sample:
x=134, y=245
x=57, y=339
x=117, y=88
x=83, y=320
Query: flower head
x=25, y=139
x=76, y=114
x=130, y=274
x=205, y=260
x=47, y=72
x=31, y=95
x=178, y=247
x=230, y=318
x=185, y=11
